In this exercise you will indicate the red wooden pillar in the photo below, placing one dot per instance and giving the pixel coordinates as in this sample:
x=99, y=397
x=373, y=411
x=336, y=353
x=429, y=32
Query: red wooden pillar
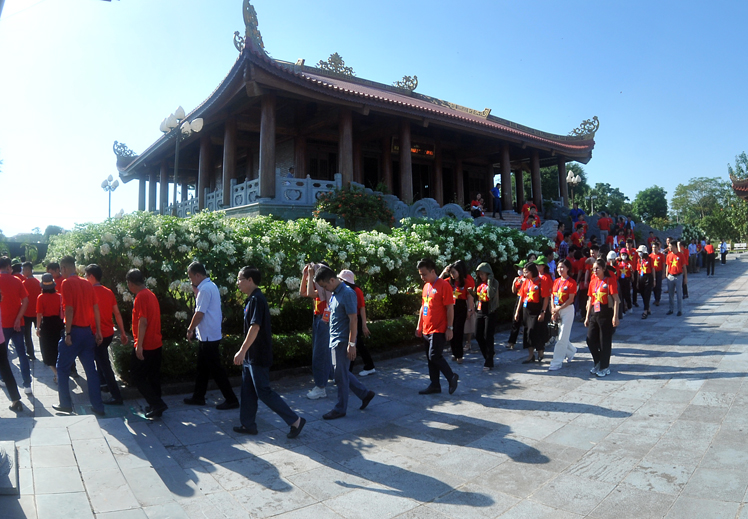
x=345, y=146
x=300, y=157
x=387, y=163
x=506, y=179
x=267, y=146
x=406, y=164
x=562, y=187
x=438, y=175
x=229, y=159
x=204, y=170
x=519, y=187
x=358, y=162
x=164, y=193
x=460, y=181
x=537, y=190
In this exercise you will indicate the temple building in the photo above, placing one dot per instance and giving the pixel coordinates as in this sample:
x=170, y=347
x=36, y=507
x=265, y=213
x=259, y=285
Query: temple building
x=740, y=186
x=275, y=134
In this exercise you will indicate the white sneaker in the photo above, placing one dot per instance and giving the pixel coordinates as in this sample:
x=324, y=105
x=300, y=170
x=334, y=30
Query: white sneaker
x=316, y=393
x=595, y=368
x=571, y=357
x=2, y=383
x=365, y=372
x=603, y=372
x=27, y=390
x=554, y=368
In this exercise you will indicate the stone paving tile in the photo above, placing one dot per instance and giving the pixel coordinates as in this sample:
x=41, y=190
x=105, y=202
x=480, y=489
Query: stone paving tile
x=633, y=502
x=53, y=456
x=473, y=501
x=15, y=507
x=691, y=508
x=57, y=480
x=63, y=506
x=573, y=494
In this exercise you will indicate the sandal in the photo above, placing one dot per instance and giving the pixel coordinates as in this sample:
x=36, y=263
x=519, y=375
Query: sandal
x=529, y=361
x=644, y=315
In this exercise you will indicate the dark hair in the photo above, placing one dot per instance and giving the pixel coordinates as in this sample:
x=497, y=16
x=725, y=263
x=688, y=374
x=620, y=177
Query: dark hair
x=566, y=263
x=426, y=263
x=135, y=277
x=535, y=256
x=94, y=270
x=53, y=265
x=561, y=224
x=629, y=240
x=252, y=273
x=601, y=263
x=16, y=268
x=197, y=268
x=324, y=274
x=4, y=262
x=567, y=234
x=49, y=290
x=27, y=264
x=68, y=261
x=548, y=251
x=461, y=269
x=532, y=269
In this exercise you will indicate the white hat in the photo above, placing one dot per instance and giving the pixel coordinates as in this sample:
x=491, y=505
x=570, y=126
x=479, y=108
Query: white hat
x=347, y=276
x=642, y=248
x=611, y=256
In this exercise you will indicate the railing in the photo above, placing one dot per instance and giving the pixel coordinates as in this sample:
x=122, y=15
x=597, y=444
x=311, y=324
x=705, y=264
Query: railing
x=303, y=191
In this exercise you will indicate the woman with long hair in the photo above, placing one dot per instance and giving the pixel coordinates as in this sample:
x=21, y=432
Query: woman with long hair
x=488, y=302
x=562, y=311
x=517, y=321
x=602, y=317
x=462, y=287
x=534, y=305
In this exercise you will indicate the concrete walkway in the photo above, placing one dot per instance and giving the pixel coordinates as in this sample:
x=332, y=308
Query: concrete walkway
x=663, y=436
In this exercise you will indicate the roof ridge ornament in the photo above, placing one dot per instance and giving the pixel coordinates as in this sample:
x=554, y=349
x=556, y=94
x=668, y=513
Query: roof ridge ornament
x=588, y=128
x=252, y=37
x=121, y=150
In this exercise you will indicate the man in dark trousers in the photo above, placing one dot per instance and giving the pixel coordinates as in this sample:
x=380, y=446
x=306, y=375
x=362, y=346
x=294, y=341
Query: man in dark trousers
x=206, y=323
x=496, y=196
x=256, y=356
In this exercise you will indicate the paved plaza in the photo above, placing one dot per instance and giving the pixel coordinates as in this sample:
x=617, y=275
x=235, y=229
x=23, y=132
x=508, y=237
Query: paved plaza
x=663, y=436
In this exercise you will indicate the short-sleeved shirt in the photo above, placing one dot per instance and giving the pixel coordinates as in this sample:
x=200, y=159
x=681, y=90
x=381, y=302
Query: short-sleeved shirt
x=319, y=306
x=576, y=239
x=531, y=222
x=435, y=299
x=107, y=302
x=33, y=288
x=257, y=311
x=709, y=249
x=462, y=292
x=604, y=224
x=495, y=192
x=13, y=292
x=624, y=269
x=145, y=305
x=675, y=263
x=531, y=291
x=658, y=261
x=49, y=304
x=208, y=301
x=342, y=304
x=645, y=266
x=58, y=283
x=574, y=214
x=600, y=289
x=563, y=289
x=360, y=299
x=79, y=294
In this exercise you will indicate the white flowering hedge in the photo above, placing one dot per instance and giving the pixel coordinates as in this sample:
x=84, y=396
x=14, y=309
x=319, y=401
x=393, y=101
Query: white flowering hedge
x=384, y=264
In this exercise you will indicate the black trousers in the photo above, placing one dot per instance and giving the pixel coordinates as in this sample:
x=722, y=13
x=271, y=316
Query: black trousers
x=485, y=329
x=634, y=286
x=458, y=337
x=497, y=207
x=361, y=349
x=516, y=324
x=723, y=257
x=209, y=365
x=646, y=283
x=28, y=322
x=710, y=261
x=146, y=375
x=104, y=367
x=7, y=374
x=434, y=344
x=600, y=336
x=658, y=285
x=536, y=331
x=624, y=288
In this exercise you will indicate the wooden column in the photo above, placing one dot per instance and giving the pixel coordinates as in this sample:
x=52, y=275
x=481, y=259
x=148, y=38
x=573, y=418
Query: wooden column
x=490, y=173
x=204, y=170
x=460, y=181
x=387, y=163
x=406, y=164
x=562, y=187
x=537, y=191
x=229, y=159
x=345, y=146
x=358, y=162
x=300, y=157
x=519, y=187
x=141, y=194
x=506, y=179
x=164, y=193
x=438, y=175
x=184, y=191
x=267, y=147
x=152, y=184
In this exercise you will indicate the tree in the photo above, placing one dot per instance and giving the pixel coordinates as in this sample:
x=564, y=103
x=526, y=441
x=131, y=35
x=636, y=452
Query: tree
x=335, y=64
x=693, y=201
x=52, y=230
x=550, y=187
x=740, y=171
x=609, y=199
x=650, y=203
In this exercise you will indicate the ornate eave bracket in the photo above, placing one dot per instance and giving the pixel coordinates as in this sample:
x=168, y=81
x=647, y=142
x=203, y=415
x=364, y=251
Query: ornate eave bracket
x=588, y=128
x=252, y=37
x=122, y=151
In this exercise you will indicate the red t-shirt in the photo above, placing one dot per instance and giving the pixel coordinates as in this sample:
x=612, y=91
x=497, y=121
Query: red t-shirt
x=530, y=222
x=633, y=257
x=360, y=301
x=686, y=256
x=624, y=269
x=604, y=224
x=581, y=225
x=546, y=285
x=562, y=289
x=675, y=264
x=576, y=239
x=600, y=289
x=79, y=294
x=650, y=241
x=658, y=261
x=13, y=292
x=435, y=299
x=462, y=293
x=49, y=304
x=34, y=287
x=518, y=282
x=559, y=238
x=146, y=305
x=319, y=306
x=645, y=266
x=709, y=249
x=107, y=302
x=482, y=293
x=610, y=240
x=534, y=290
x=58, y=283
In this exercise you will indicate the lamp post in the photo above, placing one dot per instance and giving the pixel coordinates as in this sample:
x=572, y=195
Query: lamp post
x=573, y=181
x=177, y=125
x=592, y=199
x=109, y=185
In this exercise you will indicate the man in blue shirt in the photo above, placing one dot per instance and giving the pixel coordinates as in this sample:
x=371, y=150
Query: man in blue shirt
x=496, y=195
x=574, y=214
x=343, y=329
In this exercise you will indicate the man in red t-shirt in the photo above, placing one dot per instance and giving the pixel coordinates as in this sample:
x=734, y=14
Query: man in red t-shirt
x=81, y=316
x=658, y=265
x=710, y=257
x=675, y=265
x=54, y=268
x=145, y=364
x=34, y=288
x=435, y=325
x=13, y=305
x=604, y=223
x=362, y=330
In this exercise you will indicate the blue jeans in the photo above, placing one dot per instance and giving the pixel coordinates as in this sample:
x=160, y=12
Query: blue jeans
x=83, y=347
x=321, y=360
x=674, y=288
x=256, y=385
x=16, y=338
x=344, y=378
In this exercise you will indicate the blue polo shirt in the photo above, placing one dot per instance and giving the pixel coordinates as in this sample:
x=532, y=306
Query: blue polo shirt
x=342, y=304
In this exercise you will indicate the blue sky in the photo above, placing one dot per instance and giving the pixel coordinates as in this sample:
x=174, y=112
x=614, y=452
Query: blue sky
x=666, y=79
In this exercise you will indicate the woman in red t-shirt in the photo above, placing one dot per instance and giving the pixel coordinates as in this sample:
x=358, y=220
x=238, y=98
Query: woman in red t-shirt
x=49, y=323
x=562, y=310
x=517, y=321
x=534, y=305
x=602, y=317
x=462, y=288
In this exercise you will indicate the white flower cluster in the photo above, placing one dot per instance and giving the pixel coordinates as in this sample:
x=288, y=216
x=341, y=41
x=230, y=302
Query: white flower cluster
x=275, y=311
x=150, y=282
x=182, y=316
x=293, y=283
x=277, y=280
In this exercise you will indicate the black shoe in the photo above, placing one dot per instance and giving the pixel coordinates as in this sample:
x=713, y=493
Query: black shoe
x=332, y=415
x=113, y=401
x=295, y=431
x=453, y=383
x=227, y=405
x=529, y=361
x=685, y=297
x=244, y=430
x=75, y=375
x=32, y=358
x=63, y=409
x=17, y=407
x=644, y=315
x=156, y=412
x=430, y=390
x=104, y=388
x=670, y=312
x=679, y=314
x=194, y=401
x=97, y=412
x=636, y=305
x=367, y=399
x=657, y=303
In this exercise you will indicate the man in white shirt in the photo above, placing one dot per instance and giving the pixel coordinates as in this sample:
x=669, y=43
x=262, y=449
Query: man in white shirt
x=207, y=323
x=693, y=250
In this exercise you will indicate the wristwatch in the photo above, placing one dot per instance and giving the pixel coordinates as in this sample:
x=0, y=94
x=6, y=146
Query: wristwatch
x=450, y=327
x=352, y=344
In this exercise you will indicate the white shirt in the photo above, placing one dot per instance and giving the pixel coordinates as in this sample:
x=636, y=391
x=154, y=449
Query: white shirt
x=208, y=302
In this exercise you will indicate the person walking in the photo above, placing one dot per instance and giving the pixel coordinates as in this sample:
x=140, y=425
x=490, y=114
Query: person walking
x=49, y=322
x=436, y=325
x=343, y=333
x=15, y=300
x=562, y=312
x=723, y=252
x=602, y=317
x=535, y=302
x=517, y=319
x=321, y=357
x=658, y=265
x=674, y=267
x=646, y=278
x=363, y=330
x=624, y=273
x=33, y=288
x=206, y=325
x=463, y=287
x=81, y=312
x=6, y=374
x=496, y=196
x=145, y=363
x=710, y=257
x=256, y=356
x=488, y=303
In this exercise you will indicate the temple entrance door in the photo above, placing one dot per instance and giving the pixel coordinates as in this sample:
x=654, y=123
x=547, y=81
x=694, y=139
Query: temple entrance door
x=371, y=172
x=421, y=181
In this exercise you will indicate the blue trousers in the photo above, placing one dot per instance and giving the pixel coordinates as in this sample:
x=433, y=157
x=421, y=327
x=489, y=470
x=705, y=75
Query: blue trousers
x=256, y=385
x=321, y=361
x=345, y=380
x=83, y=347
x=16, y=339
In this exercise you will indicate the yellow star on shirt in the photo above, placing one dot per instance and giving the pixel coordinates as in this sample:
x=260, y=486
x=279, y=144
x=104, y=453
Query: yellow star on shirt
x=599, y=296
x=674, y=263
